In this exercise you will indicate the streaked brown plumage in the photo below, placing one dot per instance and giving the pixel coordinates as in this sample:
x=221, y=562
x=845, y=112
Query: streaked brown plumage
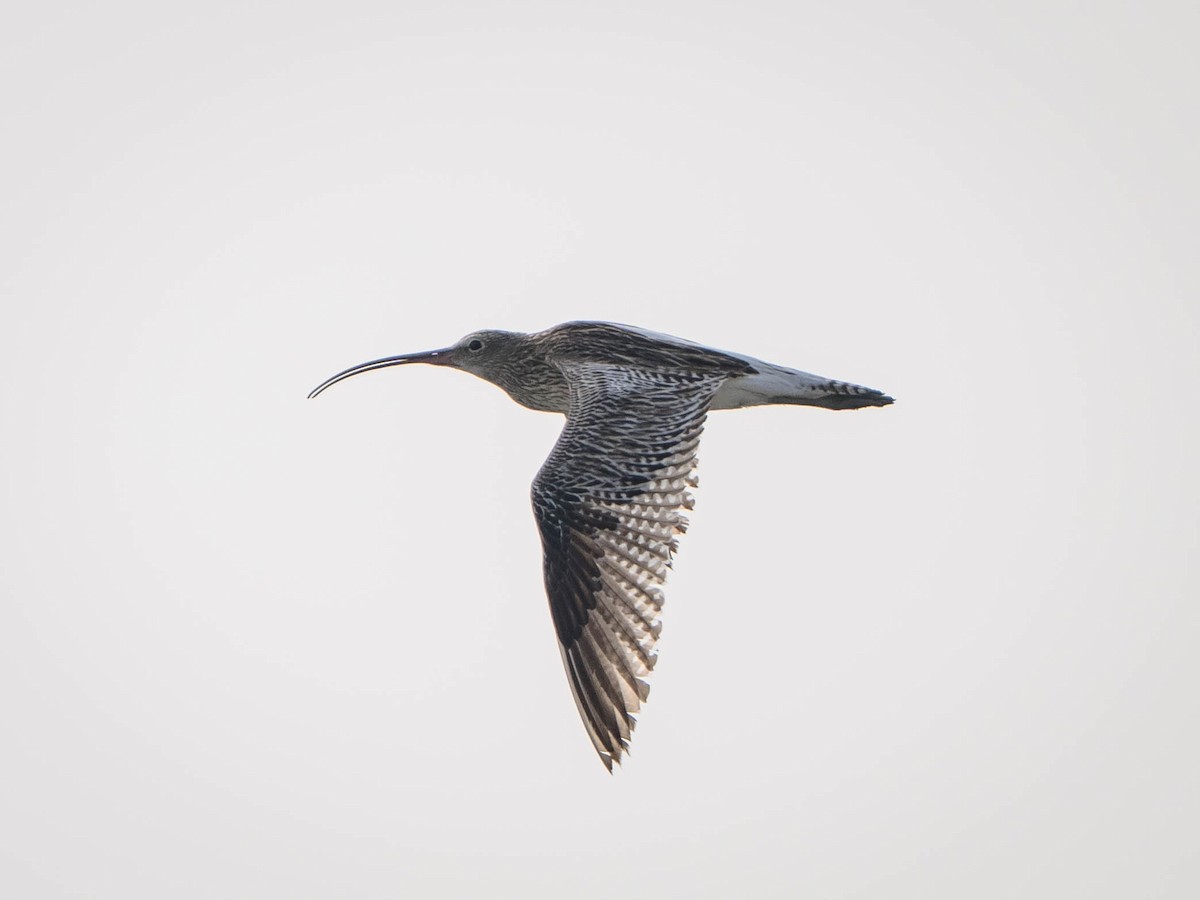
x=610, y=499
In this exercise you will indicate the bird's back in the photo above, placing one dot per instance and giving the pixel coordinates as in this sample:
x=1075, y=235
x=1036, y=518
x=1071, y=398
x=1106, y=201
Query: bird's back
x=609, y=343
x=748, y=381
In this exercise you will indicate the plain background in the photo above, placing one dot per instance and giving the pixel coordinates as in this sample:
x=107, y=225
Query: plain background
x=256, y=646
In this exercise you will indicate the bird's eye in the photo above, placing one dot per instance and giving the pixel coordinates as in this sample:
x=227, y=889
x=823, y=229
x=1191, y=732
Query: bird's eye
x=475, y=345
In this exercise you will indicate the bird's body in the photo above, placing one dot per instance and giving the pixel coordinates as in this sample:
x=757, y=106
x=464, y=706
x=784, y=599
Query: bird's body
x=610, y=499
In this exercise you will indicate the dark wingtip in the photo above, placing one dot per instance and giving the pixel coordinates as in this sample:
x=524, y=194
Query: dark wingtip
x=854, y=401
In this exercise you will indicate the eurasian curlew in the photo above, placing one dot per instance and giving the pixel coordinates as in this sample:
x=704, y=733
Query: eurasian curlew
x=610, y=499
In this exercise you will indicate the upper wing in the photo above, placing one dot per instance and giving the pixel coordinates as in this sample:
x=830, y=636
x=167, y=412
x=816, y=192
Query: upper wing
x=609, y=501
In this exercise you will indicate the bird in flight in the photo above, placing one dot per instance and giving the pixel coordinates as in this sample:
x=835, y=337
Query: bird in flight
x=610, y=499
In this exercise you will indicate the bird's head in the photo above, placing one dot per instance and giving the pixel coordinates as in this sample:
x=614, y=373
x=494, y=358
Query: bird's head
x=481, y=353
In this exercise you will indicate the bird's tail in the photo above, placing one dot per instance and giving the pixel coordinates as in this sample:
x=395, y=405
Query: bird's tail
x=778, y=385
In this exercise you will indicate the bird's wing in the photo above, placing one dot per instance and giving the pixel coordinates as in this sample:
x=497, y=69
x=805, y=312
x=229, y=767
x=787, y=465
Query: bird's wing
x=609, y=502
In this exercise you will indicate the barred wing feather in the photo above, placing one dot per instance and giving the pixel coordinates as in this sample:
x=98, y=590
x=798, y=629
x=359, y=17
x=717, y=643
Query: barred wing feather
x=609, y=502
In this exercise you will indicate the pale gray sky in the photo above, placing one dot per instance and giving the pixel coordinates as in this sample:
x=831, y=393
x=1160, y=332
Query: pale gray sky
x=256, y=646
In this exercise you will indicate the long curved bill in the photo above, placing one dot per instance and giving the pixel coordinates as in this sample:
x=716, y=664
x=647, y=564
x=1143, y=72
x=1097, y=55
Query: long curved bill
x=432, y=357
